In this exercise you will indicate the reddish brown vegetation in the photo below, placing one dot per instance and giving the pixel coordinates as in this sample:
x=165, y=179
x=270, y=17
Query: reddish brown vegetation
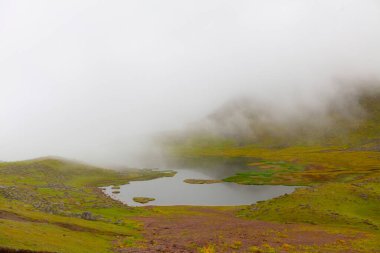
x=186, y=233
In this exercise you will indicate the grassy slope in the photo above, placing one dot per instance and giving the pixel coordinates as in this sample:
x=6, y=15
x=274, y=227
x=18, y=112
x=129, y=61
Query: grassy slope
x=45, y=198
x=343, y=174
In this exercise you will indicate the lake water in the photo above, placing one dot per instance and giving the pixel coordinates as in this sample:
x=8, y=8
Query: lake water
x=171, y=191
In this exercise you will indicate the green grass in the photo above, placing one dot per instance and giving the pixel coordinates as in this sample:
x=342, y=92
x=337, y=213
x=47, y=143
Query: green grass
x=45, y=198
x=26, y=226
x=28, y=235
x=333, y=203
x=267, y=172
x=63, y=187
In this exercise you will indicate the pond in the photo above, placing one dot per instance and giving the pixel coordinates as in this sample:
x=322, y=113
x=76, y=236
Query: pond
x=171, y=191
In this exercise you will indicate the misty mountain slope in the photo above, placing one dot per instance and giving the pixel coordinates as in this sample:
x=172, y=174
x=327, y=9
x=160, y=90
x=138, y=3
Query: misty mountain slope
x=337, y=143
x=334, y=150
x=351, y=121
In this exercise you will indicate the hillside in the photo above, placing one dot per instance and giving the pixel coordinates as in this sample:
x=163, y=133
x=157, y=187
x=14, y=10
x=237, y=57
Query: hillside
x=351, y=121
x=58, y=200
x=340, y=143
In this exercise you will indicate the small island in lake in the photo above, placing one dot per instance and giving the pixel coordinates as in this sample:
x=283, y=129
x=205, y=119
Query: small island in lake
x=143, y=200
x=202, y=181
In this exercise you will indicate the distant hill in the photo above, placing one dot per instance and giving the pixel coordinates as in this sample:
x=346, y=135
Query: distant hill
x=351, y=119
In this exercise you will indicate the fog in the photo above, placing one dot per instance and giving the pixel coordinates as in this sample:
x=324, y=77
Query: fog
x=94, y=80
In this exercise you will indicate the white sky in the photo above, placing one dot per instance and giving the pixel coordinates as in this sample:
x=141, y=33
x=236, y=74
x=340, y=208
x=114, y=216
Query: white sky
x=90, y=80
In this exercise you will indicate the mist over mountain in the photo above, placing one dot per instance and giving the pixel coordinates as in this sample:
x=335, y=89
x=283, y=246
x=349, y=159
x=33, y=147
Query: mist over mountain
x=351, y=116
x=94, y=80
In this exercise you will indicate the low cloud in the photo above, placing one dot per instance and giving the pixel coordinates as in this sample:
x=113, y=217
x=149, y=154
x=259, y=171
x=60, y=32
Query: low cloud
x=94, y=80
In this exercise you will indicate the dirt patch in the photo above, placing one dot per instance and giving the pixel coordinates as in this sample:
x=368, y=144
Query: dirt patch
x=7, y=250
x=74, y=227
x=187, y=233
x=16, y=217
x=13, y=216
